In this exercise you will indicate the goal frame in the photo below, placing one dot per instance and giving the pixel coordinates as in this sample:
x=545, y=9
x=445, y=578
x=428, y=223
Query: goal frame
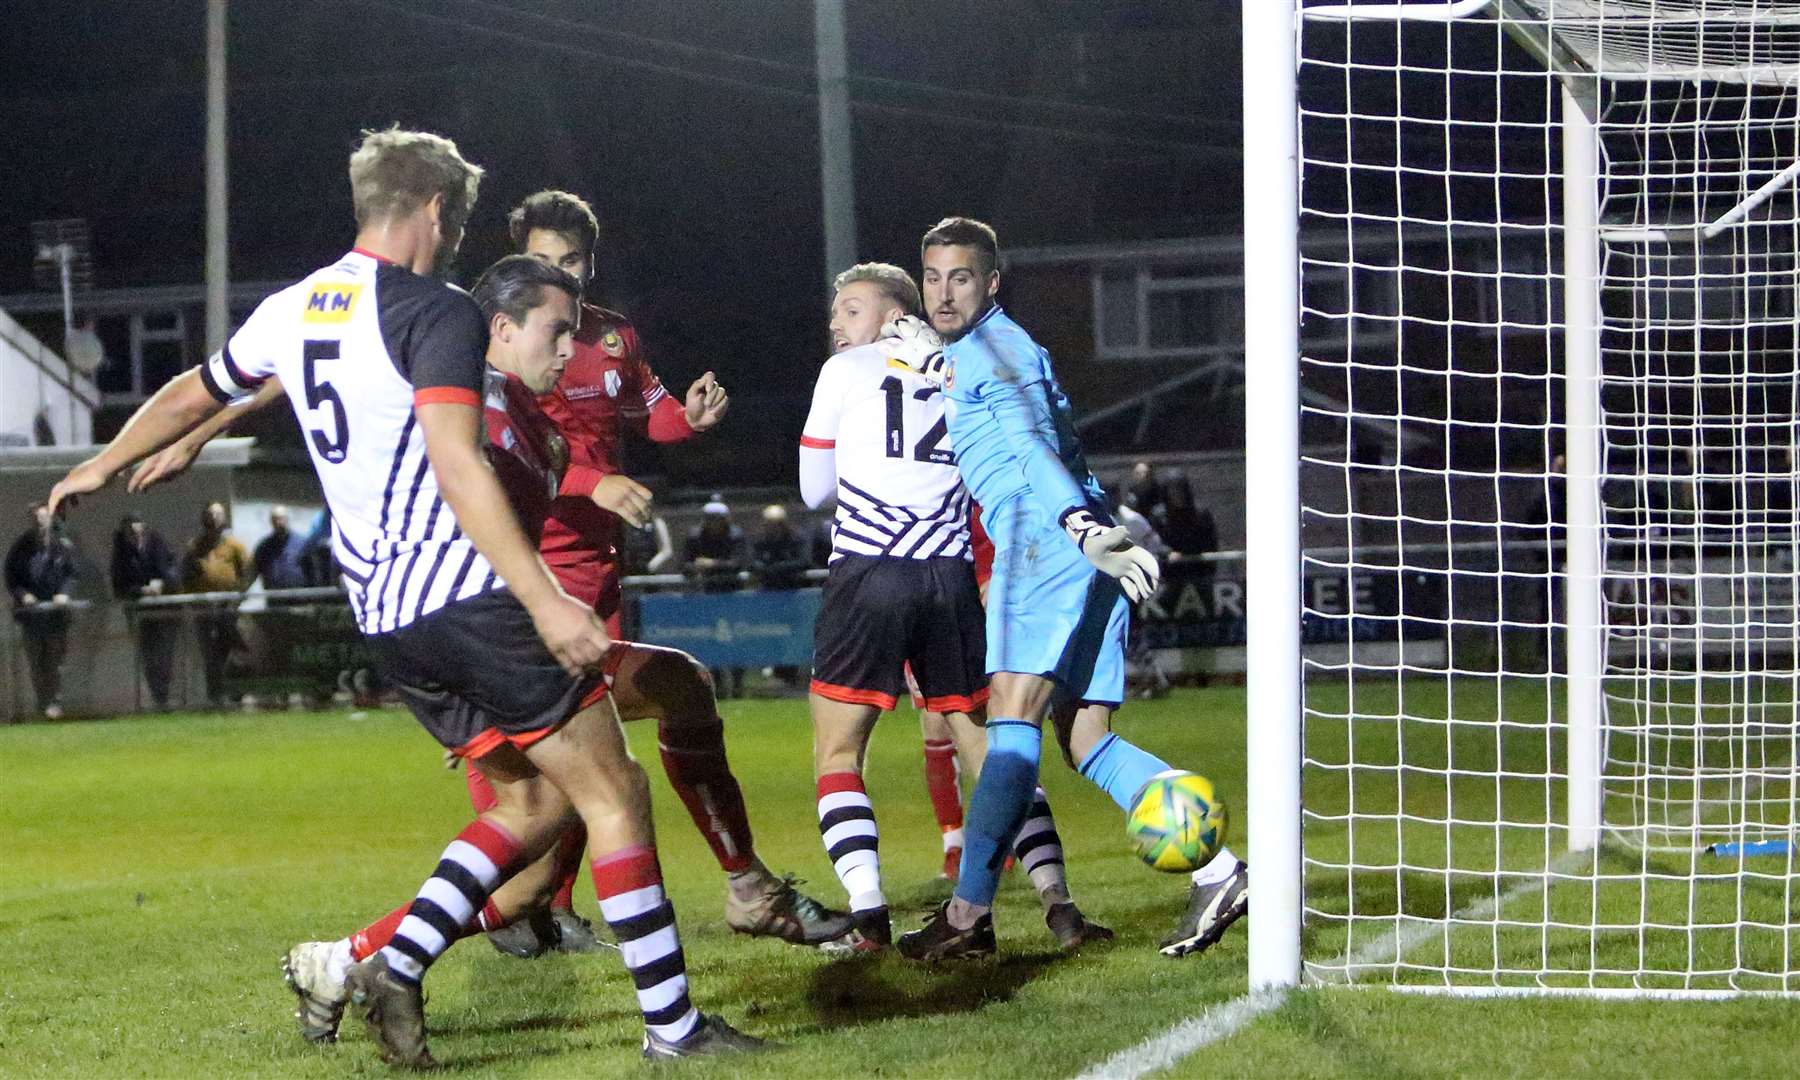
x=1272, y=175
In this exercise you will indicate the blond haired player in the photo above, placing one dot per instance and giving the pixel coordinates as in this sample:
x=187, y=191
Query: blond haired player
x=901, y=588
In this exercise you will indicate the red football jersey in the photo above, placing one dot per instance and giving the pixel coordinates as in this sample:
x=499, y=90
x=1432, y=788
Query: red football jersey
x=606, y=384
x=528, y=454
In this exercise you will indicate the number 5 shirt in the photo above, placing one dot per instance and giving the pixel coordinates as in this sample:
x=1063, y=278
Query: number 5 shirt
x=357, y=345
x=876, y=437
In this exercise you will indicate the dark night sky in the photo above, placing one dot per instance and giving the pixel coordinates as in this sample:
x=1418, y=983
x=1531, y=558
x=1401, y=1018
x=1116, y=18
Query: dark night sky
x=690, y=126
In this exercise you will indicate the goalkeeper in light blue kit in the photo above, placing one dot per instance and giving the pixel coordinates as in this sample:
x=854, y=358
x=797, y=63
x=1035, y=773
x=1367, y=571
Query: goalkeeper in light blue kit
x=1064, y=578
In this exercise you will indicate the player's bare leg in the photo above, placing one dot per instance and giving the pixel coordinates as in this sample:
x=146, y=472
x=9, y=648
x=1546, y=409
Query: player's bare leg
x=551, y=923
x=674, y=689
x=527, y=816
x=316, y=970
x=587, y=760
x=846, y=817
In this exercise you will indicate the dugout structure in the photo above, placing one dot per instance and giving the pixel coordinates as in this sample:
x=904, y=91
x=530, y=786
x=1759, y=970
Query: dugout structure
x=1575, y=225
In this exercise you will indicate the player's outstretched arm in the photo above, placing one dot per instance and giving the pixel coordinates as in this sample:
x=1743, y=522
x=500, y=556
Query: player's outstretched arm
x=173, y=460
x=453, y=440
x=183, y=404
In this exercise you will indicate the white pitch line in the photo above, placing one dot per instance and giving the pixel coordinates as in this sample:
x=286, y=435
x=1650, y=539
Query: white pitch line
x=1222, y=1021
x=1162, y=1051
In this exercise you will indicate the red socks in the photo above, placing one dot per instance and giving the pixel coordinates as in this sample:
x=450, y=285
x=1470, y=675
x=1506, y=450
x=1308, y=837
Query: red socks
x=693, y=755
x=943, y=779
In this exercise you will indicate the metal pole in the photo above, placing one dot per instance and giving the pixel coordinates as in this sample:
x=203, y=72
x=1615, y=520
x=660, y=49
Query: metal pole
x=837, y=179
x=1272, y=484
x=65, y=255
x=217, y=225
x=1582, y=575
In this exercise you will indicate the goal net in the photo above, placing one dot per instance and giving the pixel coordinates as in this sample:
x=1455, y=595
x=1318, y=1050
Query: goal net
x=1548, y=259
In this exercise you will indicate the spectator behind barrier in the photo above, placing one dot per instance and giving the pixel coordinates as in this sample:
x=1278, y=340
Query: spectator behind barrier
x=648, y=548
x=316, y=559
x=280, y=556
x=216, y=562
x=40, y=568
x=143, y=566
x=1139, y=528
x=1143, y=493
x=820, y=541
x=715, y=549
x=778, y=556
x=1182, y=525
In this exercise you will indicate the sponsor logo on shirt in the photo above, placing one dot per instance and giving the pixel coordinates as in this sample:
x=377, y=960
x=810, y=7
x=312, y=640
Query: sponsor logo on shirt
x=331, y=303
x=612, y=383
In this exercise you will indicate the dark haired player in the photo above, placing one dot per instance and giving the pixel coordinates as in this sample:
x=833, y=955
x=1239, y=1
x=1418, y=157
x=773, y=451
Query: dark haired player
x=384, y=368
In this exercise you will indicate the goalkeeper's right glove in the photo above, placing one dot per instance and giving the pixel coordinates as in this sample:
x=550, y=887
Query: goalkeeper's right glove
x=914, y=343
x=1110, y=549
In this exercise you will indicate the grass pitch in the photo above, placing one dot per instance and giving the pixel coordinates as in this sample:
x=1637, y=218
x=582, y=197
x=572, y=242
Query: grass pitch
x=153, y=870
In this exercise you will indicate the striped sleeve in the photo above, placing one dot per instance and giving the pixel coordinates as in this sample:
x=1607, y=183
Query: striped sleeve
x=234, y=372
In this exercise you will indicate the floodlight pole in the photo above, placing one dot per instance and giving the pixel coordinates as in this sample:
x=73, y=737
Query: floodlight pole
x=217, y=266
x=837, y=179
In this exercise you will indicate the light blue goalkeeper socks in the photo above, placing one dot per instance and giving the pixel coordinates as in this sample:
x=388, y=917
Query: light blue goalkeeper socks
x=1120, y=768
x=998, y=807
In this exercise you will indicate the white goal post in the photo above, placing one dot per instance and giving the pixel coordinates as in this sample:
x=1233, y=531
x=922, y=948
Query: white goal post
x=1543, y=739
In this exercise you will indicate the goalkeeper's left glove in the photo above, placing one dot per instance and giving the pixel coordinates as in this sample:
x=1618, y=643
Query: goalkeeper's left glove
x=914, y=343
x=1111, y=550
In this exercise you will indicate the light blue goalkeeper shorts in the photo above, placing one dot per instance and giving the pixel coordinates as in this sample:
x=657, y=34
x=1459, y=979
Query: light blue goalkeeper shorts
x=1049, y=612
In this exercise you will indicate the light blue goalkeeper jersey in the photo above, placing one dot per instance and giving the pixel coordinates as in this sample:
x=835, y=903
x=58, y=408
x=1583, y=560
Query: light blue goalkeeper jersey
x=1011, y=425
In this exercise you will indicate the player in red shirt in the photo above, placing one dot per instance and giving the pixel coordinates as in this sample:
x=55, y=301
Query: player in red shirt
x=606, y=386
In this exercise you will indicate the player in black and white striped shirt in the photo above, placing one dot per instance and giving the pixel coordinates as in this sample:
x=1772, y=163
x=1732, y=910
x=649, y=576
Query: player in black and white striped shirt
x=385, y=368
x=901, y=588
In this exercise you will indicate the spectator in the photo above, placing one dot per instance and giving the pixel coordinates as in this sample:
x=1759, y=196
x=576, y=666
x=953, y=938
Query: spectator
x=714, y=549
x=143, y=566
x=279, y=555
x=778, y=556
x=39, y=570
x=1144, y=675
x=1143, y=493
x=821, y=541
x=648, y=548
x=1144, y=534
x=216, y=562
x=1185, y=528
x=316, y=560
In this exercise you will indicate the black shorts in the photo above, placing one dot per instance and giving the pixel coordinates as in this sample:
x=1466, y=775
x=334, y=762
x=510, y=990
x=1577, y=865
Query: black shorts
x=477, y=675
x=879, y=614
